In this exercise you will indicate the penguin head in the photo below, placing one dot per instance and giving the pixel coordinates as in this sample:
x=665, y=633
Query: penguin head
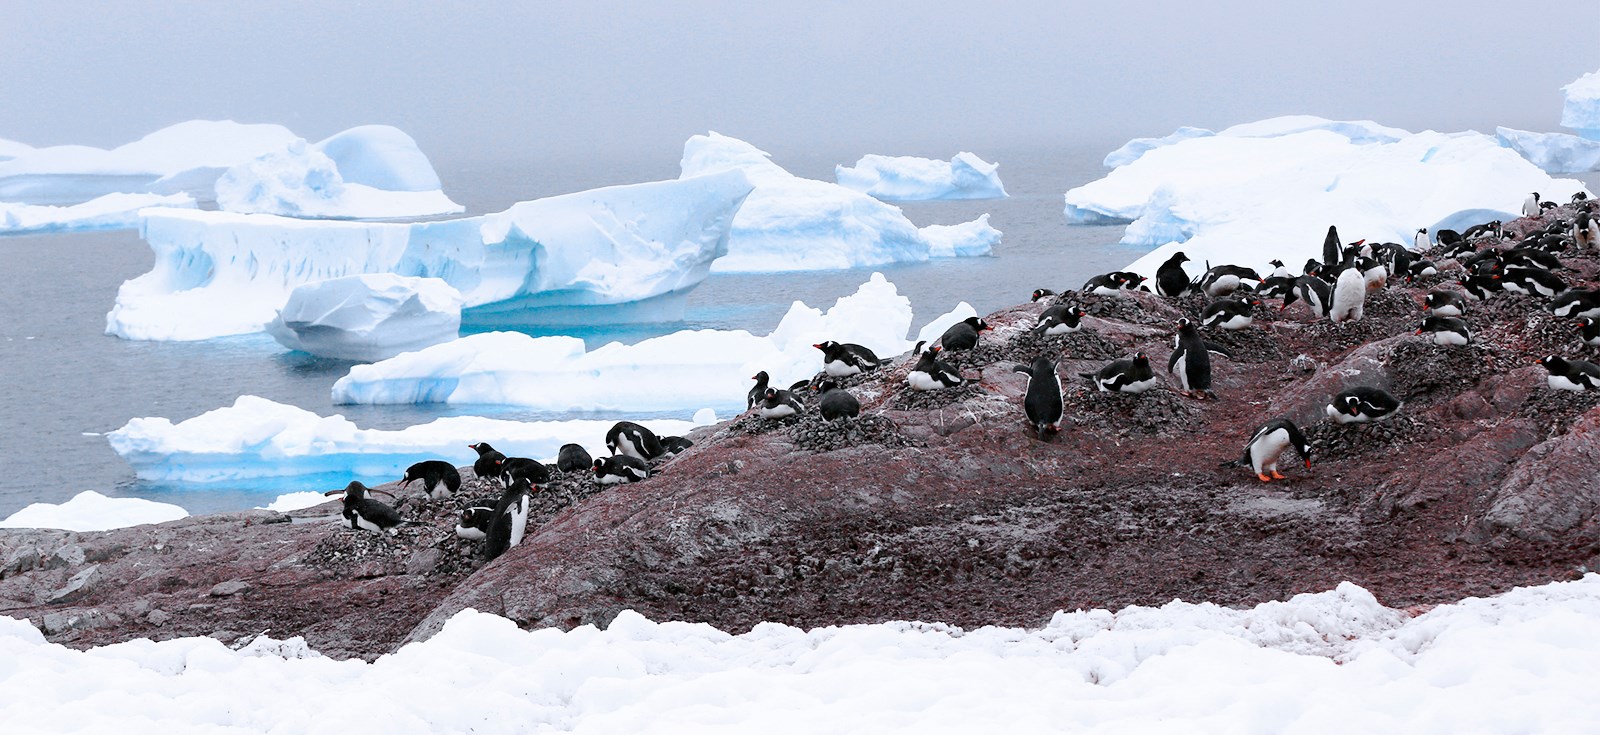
x=1141, y=359
x=1553, y=363
x=978, y=324
x=481, y=447
x=771, y=395
x=1349, y=405
x=599, y=466
x=825, y=346
x=1422, y=230
x=1275, y=263
x=1040, y=293
x=760, y=377
x=1583, y=323
x=1077, y=311
x=825, y=386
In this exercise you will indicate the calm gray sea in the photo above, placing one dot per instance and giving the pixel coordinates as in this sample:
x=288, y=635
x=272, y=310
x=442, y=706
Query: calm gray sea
x=63, y=381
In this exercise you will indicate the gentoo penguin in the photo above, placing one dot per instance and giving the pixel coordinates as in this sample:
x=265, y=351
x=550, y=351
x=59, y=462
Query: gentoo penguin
x=778, y=404
x=1487, y=229
x=1316, y=292
x=1349, y=297
x=1276, y=287
x=1373, y=273
x=364, y=512
x=1447, y=237
x=1171, y=279
x=619, y=468
x=1574, y=375
x=1131, y=375
x=755, y=393
x=1279, y=270
x=1530, y=206
x=1589, y=330
x=1269, y=442
x=931, y=373
x=626, y=437
x=1446, y=330
x=1532, y=281
x=1421, y=267
x=1585, y=230
x=1221, y=280
x=1440, y=302
x=1576, y=302
x=1042, y=401
x=673, y=446
x=963, y=335
x=1331, y=251
x=488, y=462
x=573, y=458
x=1479, y=288
x=1530, y=257
x=1190, y=361
x=474, y=523
x=522, y=468
x=440, y=479
x=1361, y=405
x=1579, y=196
x=836, y=402
x=1059, y=319
x=844, y=359
x=1420, y=241
x=1040, y=293
x=1231, y=314
x=510, y=520
x=1115, y=283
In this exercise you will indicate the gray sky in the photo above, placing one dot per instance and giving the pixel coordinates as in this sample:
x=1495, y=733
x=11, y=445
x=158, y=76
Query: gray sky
x=528, y=79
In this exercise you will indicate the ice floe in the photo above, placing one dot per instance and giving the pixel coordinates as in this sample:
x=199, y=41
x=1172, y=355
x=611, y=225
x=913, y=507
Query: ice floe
x=368, y=317
x=908, y=178
x=91, y=511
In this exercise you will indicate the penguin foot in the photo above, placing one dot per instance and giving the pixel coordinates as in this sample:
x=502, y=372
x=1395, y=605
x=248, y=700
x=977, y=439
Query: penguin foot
x=1277, y=476
x=1264, y=478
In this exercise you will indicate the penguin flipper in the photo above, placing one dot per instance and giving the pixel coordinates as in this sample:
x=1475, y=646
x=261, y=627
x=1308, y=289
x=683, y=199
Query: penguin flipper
x=1217, y=349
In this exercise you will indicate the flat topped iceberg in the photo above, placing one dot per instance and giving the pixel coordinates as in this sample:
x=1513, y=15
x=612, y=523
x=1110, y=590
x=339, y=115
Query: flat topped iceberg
x=91, y=511
x=109, y=212
x=1271, y=189
x=1556, y=153
x=368, y=317
x=617, y=254
x=791, y=223
x=909, y=179
x=257, y=438
x=1580, y=108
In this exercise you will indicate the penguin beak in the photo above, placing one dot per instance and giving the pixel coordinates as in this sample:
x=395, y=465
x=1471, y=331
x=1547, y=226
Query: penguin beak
x=817, y=346
x=1308, y=463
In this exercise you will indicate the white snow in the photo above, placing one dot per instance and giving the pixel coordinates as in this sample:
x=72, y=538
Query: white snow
x=1133, y=149
x=257, y=438
x=616, y=254
x=964, y=240
x=1270, y=189
x=1332, y=662
x=295, y=501
x=91, y=511
x=1580, y=109
x=1556, y=153
x=303, y=181
x=108, y=212
x=791, y=223
x=908, y=178
x=368, y=317
x=685, y=369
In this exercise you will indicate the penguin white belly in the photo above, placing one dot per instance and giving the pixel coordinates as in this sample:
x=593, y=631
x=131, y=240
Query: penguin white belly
x=840, y=369
x=1428, y=271
x=1447, y=310
x=1592, y=341
x=1223, y=286
x=364, y=523
x=1264, y=451
x=782, y=410
x=519, y=520
x=1061, y=329
x=1349, y=297
x=1181, y=368
x=1139, y=386
x=469, y=533
x=1514, y=287
x=1420, y=242
x=919, y=380
x=1339, y=417
x=1561, y=382
x=1376, y=278
x=626, y=445
x=1236, y=322
x=611, y=479
x=1448, y=338
x=1107, y=291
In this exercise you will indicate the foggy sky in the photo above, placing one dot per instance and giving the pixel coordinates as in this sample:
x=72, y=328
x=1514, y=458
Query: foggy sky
x=485, y=80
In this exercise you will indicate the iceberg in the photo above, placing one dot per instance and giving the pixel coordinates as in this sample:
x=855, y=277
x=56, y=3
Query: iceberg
x=682, y=370
x=302, y=180
x=791, y=223
x=1556, y=153
x=368, y=317
x=257, y=438
x=619, y=254
x=911, y=179
x=1580, y=107
x=109, y=212
x=91, y=511
x=1270, y=189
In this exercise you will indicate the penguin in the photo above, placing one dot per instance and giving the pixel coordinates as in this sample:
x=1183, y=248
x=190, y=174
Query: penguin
x=836, y=402
x=1440, y=302
x=1589, y=330
x=1575, y=302
x=510, y=520
x=365, y=513
x=1171, y=280
x=626, y=437
x=1231, y=314
x=1532, y=281
x=1042, y=401
x=1059, y=319
x=1116, y=283
x=1530, y=206
x=522, y=468
x=1395, y=258
x=619, y=468
x=1349, y=297
x=1316, y=292
x=1579, y=196
x=1530, y=257
x=778, y=404
x=1584, y=230
x=1278, y=269
x=755, y=393
x=1484, y=262
x=1269, y=442
x=1132, y=375
x=1361, y=405
x=1420, y=241
x=931, y=373
x=1446, y=330
x=1190, y=361
x=1331, y=252
x=474, y=523
x=1373, y=273
x=963, y=335
x=1447, y=237
x=673, y=446
x=1573, y=375
x=1222, y=280
x=1479, y=288
x=440, y=479
x=573, y=458
x=1276, y=287
x=488, y=462
x=1040, y=293
x=839, y=360
x=1421, y=268
x=1491, y=228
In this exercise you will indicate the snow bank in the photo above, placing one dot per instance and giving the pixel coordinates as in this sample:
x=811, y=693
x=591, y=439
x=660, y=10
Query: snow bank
x=109, y=212
x=257, y=438
x=791, y=223
x=909, y=179
x=1270, y=189
x=616, y=254
x=1335, y=661
x=683, y=370
x=304, y=181
x=1556, y=153
x=295, y=501
x=368, y=317
x=1580, y=108
x=91, y=511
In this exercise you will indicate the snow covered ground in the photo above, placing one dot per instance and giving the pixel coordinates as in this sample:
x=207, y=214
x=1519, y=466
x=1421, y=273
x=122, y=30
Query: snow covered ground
x=91, y=511
x=1332, y=662
x=909, y=179
x=257, y=438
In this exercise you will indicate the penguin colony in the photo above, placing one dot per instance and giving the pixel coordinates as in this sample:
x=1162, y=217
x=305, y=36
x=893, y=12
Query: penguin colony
x=1481, y=263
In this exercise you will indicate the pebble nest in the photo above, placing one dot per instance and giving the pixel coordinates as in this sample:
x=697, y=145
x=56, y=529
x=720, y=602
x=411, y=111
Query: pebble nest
x=754, y=425
x=1421, y=371
x=1555, y=410
x=1249, y=345
x=1120, y=308
x=1155, y=411
x=1330, y=441
x=923, y=400
x=1346, y=335
x=811, y=433
x=1084, y=344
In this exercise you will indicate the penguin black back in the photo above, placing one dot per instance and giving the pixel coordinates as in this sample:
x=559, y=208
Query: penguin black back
x=510, y=520
x=489, y=460
x=1190, y=360
x=836, y=402
x=1042, y=402
x=963, y=335
x=532, y=471
x=758, y=391
x=627, y=437
x=573, y=458
x=1331, y=250
x=1171, y=279
x=439, y=478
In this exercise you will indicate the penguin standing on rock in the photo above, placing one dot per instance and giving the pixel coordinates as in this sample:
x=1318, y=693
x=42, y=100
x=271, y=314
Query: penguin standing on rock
x=1446, y=330
x=488, y=462
x=1362, y=405
x=619, y=468
x=1269, y=442
x=1573, y=375
x=440, y=479
x=365, y=513
x=1190, y=361
x=510, y=520
x=1042, y=402
x=1132, y=375
x=931, y=373
x=1530, y=206
x=755, y=393
x=1349, y=297
x=839, y=360
x=1586, y=230
x=779, y=404
x=836, y=403
x=573, y=458
x=626, y=437
x=1059, y=319
x=1171, y=280
x=1420, y=241
x=1331, y=250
